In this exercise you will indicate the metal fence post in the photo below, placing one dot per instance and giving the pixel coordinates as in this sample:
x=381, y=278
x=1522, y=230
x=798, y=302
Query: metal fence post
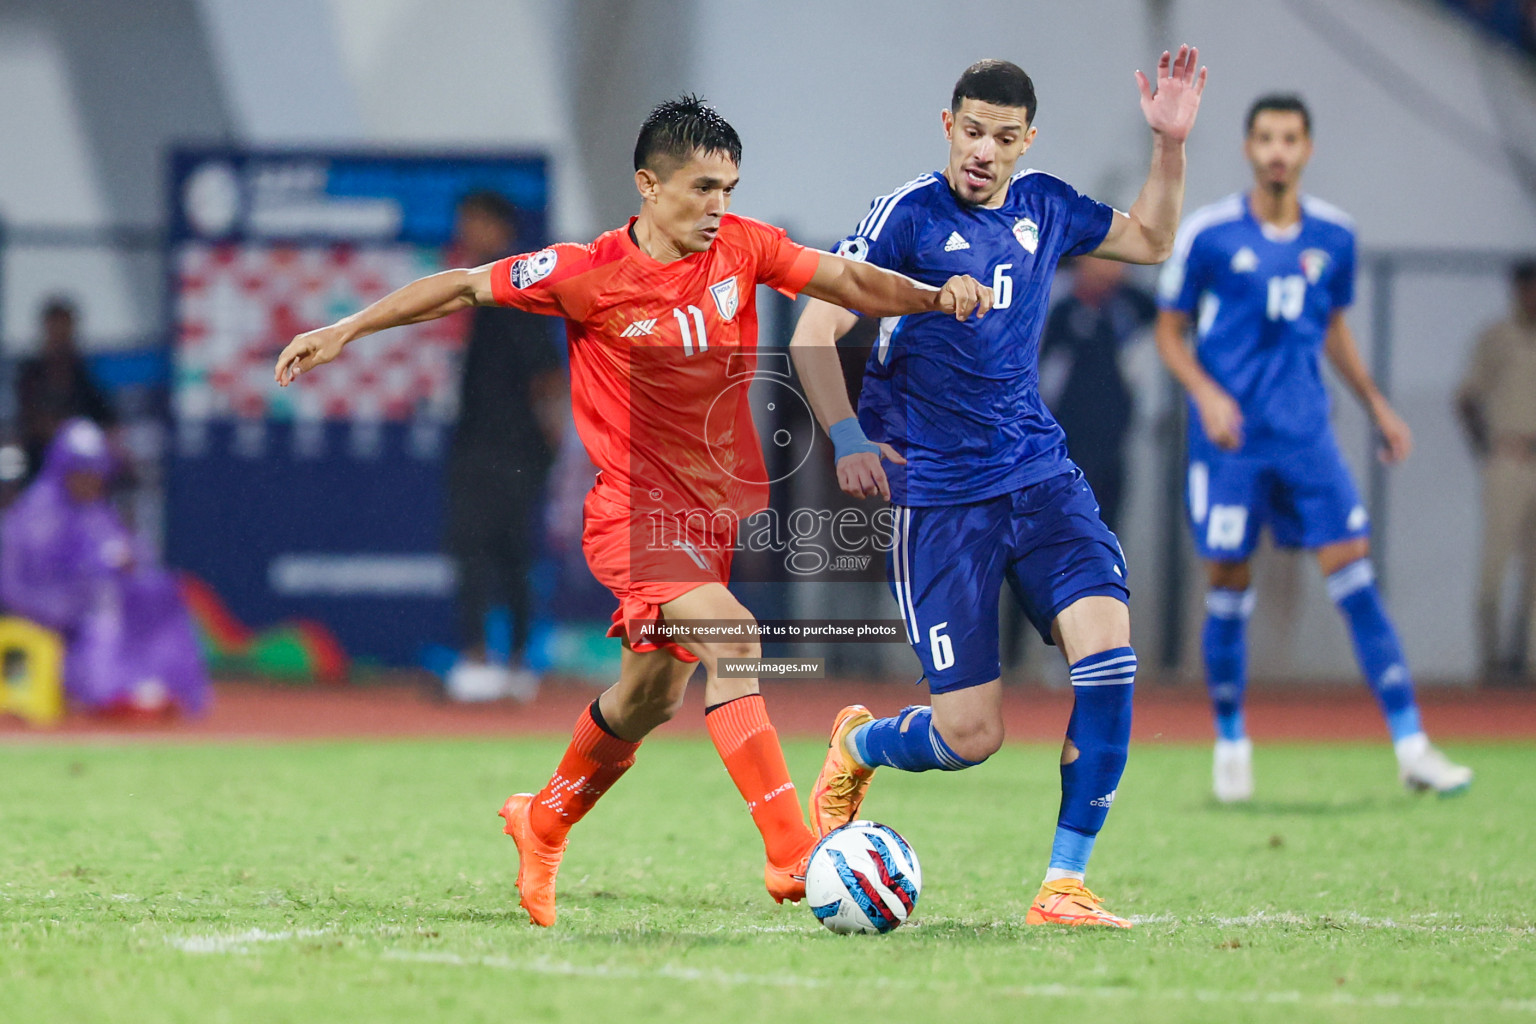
x=1171, y=535
x=8, y=411
x=1383, y=275
x=4, y=256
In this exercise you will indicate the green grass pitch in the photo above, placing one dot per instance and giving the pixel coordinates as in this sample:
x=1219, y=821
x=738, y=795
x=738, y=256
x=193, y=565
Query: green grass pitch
x=370, y=882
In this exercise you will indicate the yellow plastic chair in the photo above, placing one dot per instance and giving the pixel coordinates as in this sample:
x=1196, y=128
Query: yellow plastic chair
x=31, y=672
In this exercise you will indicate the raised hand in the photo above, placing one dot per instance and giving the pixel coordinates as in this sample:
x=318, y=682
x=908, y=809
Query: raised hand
x=1171, y=110
x=962, y=295
x=309, y=350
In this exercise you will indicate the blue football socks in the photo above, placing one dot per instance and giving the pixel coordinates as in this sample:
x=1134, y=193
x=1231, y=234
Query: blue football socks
x=1098, y=739
x=1224, y=645
x=1353, y=589
x=907, y=740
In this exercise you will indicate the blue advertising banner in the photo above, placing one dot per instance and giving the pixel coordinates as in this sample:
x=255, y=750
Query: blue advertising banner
x=322, y=500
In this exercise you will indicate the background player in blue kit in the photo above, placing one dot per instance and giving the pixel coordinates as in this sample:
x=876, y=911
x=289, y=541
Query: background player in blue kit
x=1265, y=277
x=976, y=467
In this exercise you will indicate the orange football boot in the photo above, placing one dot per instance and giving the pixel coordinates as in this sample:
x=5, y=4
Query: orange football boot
x=537, y=862
x=787, y=883
x=839, y=789
x=1068, y=901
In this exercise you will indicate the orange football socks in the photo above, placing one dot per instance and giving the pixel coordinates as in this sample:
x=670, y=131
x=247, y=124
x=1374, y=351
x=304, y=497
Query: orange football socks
x=592, y=764
x=749, y=746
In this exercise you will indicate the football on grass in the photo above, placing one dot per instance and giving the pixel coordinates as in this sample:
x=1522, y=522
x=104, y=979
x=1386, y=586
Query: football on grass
x=863, y=877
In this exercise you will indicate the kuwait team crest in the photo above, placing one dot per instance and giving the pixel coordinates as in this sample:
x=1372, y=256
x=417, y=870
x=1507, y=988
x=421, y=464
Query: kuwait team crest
x=1028, y=234
x=726, y=297
x=1313, y=263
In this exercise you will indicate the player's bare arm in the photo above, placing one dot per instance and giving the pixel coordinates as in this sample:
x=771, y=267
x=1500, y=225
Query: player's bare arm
x=1145, y=233
x=814, y=351
x=427, y=298
x=1344, y=354
x=1219, y=412
x=875, y=291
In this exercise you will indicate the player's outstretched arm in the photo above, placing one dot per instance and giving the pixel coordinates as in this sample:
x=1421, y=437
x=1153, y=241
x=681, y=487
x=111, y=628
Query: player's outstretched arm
x=424, y=299
x=814, y=351
x=1344, y=354
x=875, y=291
x=1220, y=415
x=1144, y=234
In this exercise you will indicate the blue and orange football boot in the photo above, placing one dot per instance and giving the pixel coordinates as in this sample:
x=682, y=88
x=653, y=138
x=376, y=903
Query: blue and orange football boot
x=839, y=789
x=1068, y=901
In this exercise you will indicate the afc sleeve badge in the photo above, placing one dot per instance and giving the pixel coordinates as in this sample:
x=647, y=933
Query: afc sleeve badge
x=532, y=269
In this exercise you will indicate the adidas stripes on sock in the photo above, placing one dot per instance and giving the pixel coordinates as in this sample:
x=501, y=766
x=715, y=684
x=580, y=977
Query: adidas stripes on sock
x=907, y=740
x=1093, y=758
x=1224, y=647
x=1377, y=649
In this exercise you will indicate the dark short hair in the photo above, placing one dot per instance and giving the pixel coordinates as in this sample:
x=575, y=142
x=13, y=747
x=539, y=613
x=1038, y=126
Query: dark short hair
x=492, y=204
x=1285, y=103
x=1523, y=273
x=678, y=128
x=996, y=81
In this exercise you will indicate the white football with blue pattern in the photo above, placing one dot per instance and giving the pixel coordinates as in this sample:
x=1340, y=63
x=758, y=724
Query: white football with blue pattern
x=863, y=877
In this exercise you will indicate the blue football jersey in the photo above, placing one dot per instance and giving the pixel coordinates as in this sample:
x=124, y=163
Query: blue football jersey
x=961, y=401
x=1261, y=301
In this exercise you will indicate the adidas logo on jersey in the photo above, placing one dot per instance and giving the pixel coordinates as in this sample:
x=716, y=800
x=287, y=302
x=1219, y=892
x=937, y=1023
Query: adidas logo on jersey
x=955, y=243
x=639, y=328
x=1245, y=261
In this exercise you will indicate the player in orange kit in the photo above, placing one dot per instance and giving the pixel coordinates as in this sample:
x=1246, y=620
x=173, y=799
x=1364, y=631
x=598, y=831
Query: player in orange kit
x=662, y=323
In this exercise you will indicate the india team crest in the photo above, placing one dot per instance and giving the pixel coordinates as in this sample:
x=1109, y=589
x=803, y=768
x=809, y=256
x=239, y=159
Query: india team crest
x=1028, y=234
x=726, y=297
x=1313, y=263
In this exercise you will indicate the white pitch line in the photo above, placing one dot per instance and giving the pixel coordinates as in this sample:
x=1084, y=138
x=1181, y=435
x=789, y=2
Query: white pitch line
x=566, y=969
x=238, y=943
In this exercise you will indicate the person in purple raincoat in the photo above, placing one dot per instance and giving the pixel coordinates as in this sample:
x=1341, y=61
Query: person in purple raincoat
x=70, y=563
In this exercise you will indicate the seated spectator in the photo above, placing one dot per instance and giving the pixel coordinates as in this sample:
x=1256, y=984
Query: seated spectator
x=68, y=562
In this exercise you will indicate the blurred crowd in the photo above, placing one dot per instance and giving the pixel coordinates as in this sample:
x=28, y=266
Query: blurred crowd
x=70, y=561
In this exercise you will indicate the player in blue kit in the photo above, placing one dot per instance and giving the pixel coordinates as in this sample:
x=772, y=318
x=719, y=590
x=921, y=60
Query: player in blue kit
x=1265, y=277
x=976, y=467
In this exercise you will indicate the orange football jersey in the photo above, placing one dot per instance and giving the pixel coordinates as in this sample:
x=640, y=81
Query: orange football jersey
x=662, y=357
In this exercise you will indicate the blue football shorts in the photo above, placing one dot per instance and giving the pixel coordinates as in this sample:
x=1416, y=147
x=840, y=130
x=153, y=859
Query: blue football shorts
x=1303, y=493
x=948, y=564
